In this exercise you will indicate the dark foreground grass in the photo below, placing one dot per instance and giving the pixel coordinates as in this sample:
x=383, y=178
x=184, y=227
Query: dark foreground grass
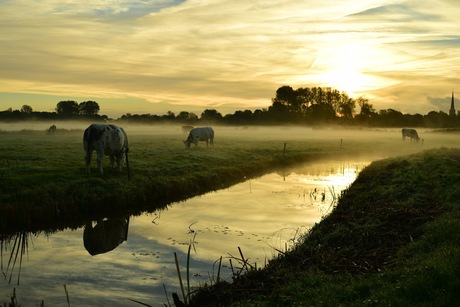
x=393, y=240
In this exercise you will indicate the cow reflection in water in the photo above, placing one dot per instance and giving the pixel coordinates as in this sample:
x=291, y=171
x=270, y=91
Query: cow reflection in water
x=105, y=236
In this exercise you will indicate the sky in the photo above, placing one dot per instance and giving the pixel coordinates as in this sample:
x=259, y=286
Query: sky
x=151, y=57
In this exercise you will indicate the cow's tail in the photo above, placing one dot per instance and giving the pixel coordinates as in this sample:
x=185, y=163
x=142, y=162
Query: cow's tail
x=87, y=142
x=127, y=162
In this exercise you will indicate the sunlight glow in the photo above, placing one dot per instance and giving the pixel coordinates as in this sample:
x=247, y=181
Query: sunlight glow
x=340, y=177
x=345, y=68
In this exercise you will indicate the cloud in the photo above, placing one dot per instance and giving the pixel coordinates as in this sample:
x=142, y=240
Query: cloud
x=443, y=103
x=215, y=52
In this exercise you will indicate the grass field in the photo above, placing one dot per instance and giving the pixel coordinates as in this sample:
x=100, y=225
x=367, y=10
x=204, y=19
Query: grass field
x=44, y=185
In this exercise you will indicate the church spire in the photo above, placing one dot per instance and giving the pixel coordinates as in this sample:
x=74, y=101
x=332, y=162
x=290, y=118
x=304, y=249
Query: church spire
x=452, y=107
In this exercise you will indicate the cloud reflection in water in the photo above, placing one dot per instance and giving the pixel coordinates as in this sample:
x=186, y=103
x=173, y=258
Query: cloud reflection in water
x=259, y=216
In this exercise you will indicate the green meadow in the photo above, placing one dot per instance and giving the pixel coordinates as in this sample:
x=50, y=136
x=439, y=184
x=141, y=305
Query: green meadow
x=44, y=184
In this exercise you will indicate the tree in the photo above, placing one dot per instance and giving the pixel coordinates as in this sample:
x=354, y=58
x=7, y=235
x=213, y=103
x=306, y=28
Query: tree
x=88, y=108
x=346, y=106
x=185, y=116
x=67, y=108
x=26, y=109
x=321, y=113
x=391, y=118
x=169, y=115
x=437, y=119
x=286, y=96
x=367, y=111
x=211, y=115
x=304, y=97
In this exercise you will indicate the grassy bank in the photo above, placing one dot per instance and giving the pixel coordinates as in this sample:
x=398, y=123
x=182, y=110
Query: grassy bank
x=393, y=240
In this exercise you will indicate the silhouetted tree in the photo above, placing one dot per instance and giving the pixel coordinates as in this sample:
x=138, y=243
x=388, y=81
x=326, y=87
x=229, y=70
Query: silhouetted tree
x=304, y=98
x=184, y=116
x=211, y=115
x=68, y=108
x=26, y=109
x=278, y=112
x=287, y=97
x=391, y=118
x=367, y=112
x=88, y=108
x=346, y=106
x=437, y=119
x=321, y=113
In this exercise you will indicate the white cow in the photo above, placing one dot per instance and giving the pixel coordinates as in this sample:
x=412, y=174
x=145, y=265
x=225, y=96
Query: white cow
x=411, y=133
x=108, y=140
x=203, y=134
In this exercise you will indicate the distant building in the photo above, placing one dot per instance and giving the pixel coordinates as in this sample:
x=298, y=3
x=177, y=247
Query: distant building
x=452, y=107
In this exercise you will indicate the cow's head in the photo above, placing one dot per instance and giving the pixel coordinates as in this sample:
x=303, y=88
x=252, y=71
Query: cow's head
x=187, y=142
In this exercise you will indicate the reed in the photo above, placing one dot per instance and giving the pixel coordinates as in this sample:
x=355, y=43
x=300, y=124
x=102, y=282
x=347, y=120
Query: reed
x=179, y=275
x=67, y=295
x=19, y=247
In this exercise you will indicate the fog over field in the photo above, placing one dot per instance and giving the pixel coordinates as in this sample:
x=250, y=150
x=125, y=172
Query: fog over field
x=386, y=140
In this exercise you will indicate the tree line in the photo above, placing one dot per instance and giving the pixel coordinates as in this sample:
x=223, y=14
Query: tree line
x=307, y=106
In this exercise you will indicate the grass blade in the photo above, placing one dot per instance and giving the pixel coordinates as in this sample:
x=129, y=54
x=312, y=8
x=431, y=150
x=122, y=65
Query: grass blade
x=179, y=275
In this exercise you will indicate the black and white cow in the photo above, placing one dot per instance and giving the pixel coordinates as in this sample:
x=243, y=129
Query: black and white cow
x=109, y=140
x=411, y=133
x=204, y=134
x=105, y=236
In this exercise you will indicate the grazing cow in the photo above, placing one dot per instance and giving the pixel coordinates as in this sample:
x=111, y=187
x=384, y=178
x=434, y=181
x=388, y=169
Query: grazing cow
x=52, y=129
x=411, y=133
x=203, y=134
x=108, y=140
x=105, y=236
x=186, y=129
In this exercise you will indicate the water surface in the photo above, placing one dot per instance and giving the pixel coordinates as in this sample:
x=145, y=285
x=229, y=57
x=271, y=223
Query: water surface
x=260, y=216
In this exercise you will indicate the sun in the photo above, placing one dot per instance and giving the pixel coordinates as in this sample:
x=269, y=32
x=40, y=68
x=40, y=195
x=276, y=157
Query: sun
x=345, y=79
x=346, y=67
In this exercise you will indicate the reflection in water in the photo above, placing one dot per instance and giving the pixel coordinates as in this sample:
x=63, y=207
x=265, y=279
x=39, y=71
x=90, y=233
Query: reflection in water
x=260, y=218
x=19, y=245
x=105, y=236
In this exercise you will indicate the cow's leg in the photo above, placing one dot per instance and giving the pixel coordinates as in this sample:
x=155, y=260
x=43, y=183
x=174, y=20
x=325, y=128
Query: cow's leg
x=88, y=156
x=112, y=161
x=120, y=161
x=100, y=155
x=212, y=142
